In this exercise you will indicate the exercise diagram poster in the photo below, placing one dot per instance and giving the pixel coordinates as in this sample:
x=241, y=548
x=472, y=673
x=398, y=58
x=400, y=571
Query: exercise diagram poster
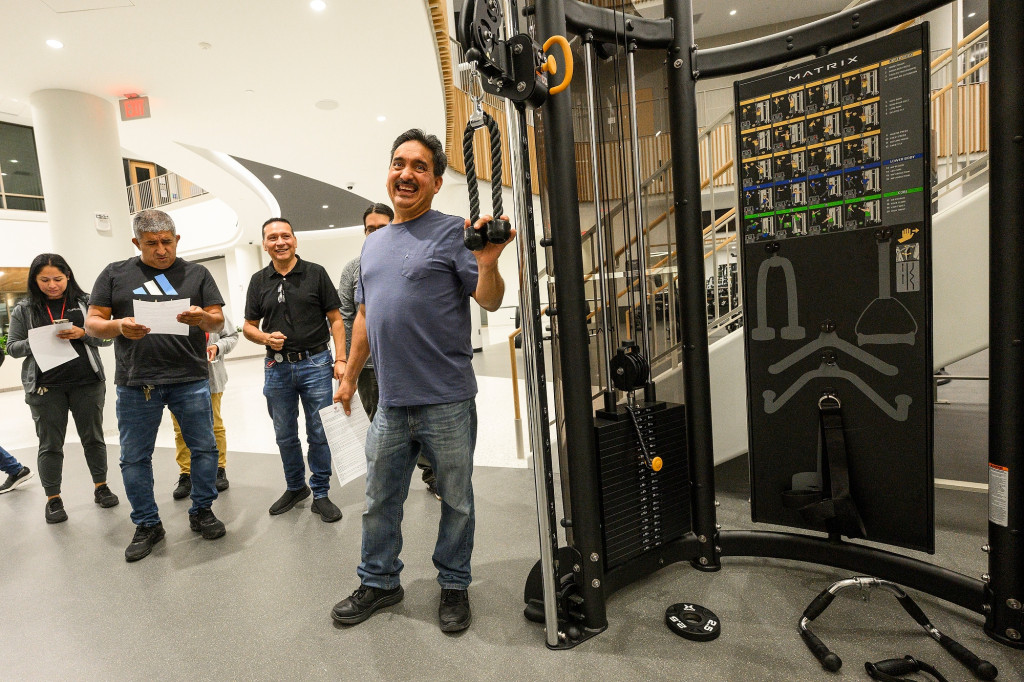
x=835, y=203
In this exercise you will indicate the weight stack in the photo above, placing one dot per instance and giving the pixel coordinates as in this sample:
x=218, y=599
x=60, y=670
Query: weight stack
x=642, y=509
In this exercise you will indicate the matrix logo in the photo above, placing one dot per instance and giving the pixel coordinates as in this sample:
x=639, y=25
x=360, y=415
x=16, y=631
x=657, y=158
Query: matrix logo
x=823, y=69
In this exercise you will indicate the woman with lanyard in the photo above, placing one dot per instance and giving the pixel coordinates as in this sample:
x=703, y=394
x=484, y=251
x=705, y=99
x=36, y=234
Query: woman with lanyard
x=76, y=386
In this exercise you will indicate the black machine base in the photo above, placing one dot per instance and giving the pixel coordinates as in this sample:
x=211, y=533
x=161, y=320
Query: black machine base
x=570, y=628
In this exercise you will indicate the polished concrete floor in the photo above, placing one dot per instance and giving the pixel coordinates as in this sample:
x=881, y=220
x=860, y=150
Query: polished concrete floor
x=256, y=603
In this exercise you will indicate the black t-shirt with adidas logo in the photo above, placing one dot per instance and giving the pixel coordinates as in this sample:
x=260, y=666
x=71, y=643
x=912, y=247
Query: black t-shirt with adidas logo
x=156, y=359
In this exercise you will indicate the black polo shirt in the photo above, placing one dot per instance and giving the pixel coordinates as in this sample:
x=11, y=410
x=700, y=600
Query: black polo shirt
x=308, y=295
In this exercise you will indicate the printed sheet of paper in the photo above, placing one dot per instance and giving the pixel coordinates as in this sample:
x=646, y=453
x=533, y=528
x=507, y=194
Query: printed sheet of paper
x=47, y=349
x=161, y=316
x=346, y=436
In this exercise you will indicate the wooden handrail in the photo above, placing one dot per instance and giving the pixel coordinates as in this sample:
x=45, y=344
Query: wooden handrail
x=963, y=43
x=949, y=86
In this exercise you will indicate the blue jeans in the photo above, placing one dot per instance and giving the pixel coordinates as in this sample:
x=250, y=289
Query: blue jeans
x=285, y=384
x=446, y=435
x=138, y=420
x=8, y=464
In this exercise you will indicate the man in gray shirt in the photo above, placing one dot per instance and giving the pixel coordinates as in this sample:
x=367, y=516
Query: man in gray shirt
x=375, y=217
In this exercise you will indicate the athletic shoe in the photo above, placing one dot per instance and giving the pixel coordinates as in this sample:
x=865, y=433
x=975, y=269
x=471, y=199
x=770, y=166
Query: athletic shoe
x=453, y=611
x=16, y=480
x=222, y=480
x=142, y=543
x=328, y=511
x=184, y=488
x=289, y=500
x=206, y=523
x=104, y=497
x=364, y=602
x=55, y=511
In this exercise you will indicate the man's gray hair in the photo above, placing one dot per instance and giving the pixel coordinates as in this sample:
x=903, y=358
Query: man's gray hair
x=152, y=220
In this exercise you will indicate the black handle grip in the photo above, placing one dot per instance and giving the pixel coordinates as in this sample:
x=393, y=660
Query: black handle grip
x=895, y=667
x=911, y=607
x=498, y=231
x=820, y=603
x=829, y=661
x=473, y=239
x=981, y=669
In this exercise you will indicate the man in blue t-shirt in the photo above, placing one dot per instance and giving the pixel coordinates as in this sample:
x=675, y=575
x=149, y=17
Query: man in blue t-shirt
x=416, y=279
x=160, y=367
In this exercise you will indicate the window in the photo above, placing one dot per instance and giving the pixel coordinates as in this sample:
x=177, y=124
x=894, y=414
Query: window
x=20, y=186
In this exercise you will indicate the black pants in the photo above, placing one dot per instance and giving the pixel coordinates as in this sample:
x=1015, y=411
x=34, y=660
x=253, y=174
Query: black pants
x=50, y=413
x=369, y=394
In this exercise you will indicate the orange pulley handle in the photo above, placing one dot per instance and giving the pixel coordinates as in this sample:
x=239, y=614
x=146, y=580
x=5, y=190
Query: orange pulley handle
x=551, y=66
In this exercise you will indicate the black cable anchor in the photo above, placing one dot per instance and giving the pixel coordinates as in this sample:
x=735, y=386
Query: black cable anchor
x=497, y=230
x=981, y=669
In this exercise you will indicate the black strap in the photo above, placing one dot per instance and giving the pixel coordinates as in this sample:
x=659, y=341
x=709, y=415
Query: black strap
x=832, y=504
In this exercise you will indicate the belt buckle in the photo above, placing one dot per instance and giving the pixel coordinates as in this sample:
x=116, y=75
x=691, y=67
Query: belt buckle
x=278, y=357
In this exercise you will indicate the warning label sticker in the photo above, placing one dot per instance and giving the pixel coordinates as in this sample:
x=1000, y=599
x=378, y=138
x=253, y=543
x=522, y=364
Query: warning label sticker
x=998, y=494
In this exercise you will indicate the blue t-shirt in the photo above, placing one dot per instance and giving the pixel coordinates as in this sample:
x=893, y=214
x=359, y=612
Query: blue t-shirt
x=415, y=280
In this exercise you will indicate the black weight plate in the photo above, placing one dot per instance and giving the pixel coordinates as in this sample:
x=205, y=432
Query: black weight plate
x=693, y=621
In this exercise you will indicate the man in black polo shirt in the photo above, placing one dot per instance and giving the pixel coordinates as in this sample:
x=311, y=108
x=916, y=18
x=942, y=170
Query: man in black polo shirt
x=298, y=305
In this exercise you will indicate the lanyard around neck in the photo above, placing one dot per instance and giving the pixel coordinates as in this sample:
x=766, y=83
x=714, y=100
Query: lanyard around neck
x=63, y=307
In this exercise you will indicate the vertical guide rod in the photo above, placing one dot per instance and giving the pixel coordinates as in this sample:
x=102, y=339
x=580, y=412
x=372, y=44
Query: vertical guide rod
x=1005, y=588
x=609, y=310
x=693, y=300
x=641, y=239
x=533, y=346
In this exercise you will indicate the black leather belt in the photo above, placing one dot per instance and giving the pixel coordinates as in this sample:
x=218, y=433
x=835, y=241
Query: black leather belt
x=295, y=355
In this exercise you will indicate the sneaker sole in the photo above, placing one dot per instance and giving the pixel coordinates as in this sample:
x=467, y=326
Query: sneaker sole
x=294, y=502
x=148, y=551
x=57, y=519
x=456, y=627
x=379, y=604
x=20, y=482
x=181, y=496
x=106, y=504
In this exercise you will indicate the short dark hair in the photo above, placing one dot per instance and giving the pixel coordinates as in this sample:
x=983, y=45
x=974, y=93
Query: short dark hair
x=263, y=230
x=36, y=298
x=430, y=142
x=382, y=209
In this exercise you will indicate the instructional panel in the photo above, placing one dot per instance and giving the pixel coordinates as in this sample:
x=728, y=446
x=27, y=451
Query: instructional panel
x=835, y=200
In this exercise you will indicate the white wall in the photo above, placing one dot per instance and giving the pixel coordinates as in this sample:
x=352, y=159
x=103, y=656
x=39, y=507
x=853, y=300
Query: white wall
x=25, y=235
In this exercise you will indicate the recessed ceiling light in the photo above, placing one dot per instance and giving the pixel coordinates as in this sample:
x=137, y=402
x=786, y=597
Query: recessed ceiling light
x=14, y=161
x=971, y=15
x=277, y=177
x=55, y=44
x=248, y=92
x=332, y=225
x=325, y=206
x=318, y=5
x=732, y=13
x=382, y=118
x=327, y=104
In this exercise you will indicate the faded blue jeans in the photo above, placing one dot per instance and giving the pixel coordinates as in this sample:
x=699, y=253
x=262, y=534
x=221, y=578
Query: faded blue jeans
x=446, y=435
x=8, y=464
x=285, y=385
x=138, y=420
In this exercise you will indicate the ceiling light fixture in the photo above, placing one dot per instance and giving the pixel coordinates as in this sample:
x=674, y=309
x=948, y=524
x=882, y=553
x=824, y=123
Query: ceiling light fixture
x=382, y=118
x=331, y=225
x=971, y=15
x=732, y=13
x=324, y=206
x=55, y=44
x=14, y=161
x=277, y=177
x=318, y=5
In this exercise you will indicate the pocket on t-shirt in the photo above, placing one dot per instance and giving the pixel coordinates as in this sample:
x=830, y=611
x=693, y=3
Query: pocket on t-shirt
x=418, y=261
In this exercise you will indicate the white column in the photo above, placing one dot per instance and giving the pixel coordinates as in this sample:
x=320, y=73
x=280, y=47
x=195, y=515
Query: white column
x=82, y=175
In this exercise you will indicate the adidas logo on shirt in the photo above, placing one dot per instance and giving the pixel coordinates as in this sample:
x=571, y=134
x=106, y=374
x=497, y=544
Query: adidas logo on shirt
x=157, y=286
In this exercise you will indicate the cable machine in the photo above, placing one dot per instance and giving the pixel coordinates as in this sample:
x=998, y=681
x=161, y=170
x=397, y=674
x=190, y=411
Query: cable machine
x=568, y=587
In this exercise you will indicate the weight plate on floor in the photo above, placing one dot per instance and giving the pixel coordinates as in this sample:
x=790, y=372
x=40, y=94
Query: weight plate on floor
x=693, y=621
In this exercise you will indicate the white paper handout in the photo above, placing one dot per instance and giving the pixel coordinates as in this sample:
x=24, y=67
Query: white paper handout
x=161, y=316
x=346, y=436
x=47, y=350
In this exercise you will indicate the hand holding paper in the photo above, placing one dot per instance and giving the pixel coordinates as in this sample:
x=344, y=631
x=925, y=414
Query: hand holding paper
x=161, y=317
x=47, y=350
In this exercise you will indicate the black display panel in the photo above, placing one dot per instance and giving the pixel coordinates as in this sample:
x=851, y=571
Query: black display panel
x=836, y=270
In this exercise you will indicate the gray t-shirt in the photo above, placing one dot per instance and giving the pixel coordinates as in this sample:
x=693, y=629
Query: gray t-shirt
x=415, y=280
x=347, y=284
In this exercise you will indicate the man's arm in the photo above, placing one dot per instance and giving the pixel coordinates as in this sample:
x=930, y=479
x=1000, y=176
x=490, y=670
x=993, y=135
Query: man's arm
x=490, y=287
x=99, y=324
x=338, y=334
x=357, y=356
x=273, y=340
x=209, y=319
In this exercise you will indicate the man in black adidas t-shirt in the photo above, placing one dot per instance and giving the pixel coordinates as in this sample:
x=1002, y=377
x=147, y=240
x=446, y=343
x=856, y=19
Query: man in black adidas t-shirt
x=154, y=370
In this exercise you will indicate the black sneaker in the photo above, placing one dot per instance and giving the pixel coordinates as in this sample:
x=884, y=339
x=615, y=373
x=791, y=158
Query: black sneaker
x=222, y=480
x=142, y=543
x=184, y=488
x=16, y=480
x=364, y=602
x=289, y=500
x=453, y=611
x=206, y=523
x=432, y=489
x=104, y=497
x=328, y=511
x=55, y=511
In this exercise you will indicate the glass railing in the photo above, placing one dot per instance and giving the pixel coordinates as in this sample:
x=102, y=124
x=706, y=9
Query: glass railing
x=160, y=191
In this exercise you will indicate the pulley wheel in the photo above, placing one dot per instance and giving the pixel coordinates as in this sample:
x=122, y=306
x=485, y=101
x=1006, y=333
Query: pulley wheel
x=693, y=621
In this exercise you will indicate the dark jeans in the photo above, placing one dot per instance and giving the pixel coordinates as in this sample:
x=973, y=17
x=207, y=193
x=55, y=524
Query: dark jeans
x=138, y=419
x=285, y=385
x=369, y=394
x=50, y=413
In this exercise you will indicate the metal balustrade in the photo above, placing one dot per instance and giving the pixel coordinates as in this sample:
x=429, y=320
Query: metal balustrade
x=161, y=191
